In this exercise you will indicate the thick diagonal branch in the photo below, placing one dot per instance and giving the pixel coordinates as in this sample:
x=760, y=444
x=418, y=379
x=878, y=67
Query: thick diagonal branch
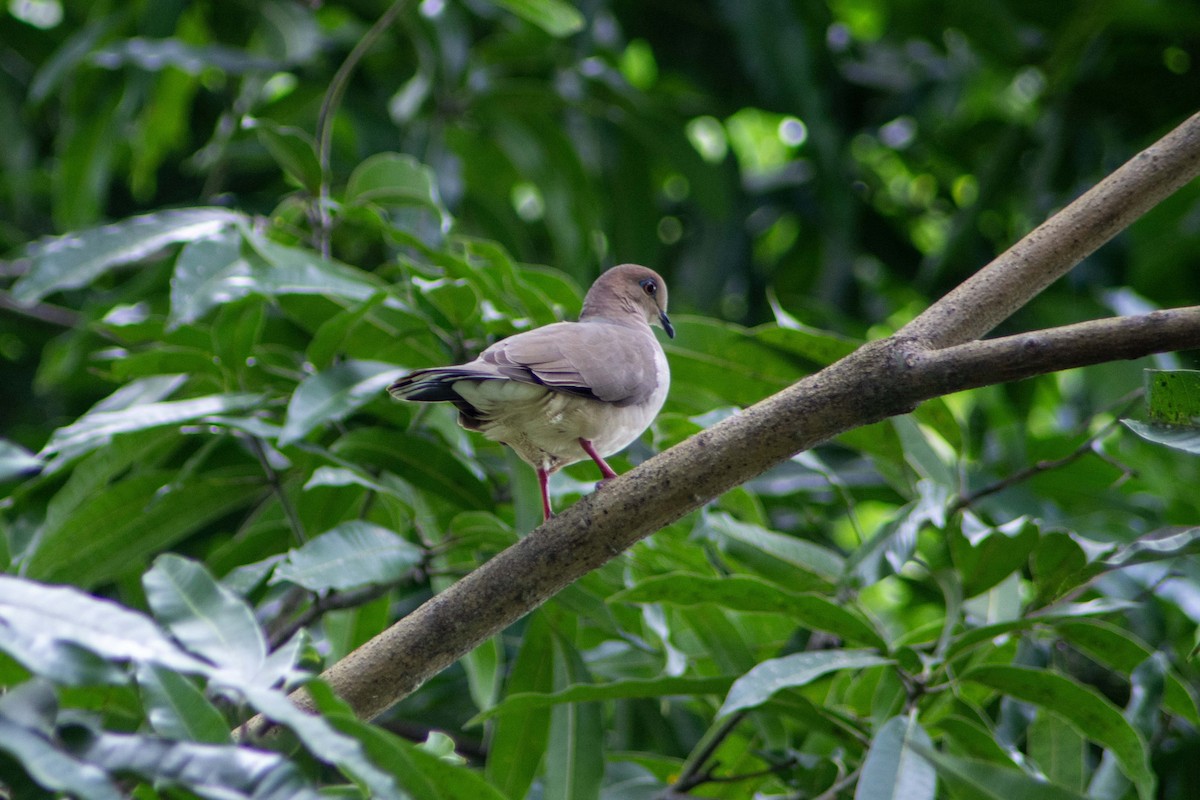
x=931, y=357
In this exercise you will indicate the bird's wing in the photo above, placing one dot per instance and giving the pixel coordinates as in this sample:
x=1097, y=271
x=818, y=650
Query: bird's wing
x=600, y=360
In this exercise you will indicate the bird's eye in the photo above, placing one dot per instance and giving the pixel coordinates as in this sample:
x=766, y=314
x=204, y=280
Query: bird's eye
x=649, y=286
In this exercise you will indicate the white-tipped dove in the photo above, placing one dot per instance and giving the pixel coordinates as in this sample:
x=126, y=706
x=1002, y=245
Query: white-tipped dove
x=567, y=391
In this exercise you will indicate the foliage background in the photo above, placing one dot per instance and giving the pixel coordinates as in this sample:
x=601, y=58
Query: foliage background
x=805, y=174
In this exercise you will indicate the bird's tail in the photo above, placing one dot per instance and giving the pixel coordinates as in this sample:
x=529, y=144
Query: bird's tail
x=434, y=385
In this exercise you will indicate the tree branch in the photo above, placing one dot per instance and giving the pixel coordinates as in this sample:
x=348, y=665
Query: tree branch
x=880, y=379
x=991, y=295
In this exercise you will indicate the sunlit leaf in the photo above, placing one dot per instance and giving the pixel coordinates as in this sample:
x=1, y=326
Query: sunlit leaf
x=555, y=17
x=772, y=676
x=53, y=768
x=16, y=461
x=77, y=259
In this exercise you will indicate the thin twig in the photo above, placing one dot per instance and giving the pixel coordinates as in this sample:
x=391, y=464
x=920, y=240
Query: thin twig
x=329, y=106
x=332, y=602
x=848, y=780
x=693, y=773
x=1089, y=445
x=289, y=510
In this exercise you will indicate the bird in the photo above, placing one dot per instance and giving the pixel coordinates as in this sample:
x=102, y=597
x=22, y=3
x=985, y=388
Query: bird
x=567, y=391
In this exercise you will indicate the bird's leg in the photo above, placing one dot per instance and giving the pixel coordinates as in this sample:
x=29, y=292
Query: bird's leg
x=544, y=483
x=605, y=469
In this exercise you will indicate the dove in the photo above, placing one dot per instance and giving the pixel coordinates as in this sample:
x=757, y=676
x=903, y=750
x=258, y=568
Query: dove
x=567, y=391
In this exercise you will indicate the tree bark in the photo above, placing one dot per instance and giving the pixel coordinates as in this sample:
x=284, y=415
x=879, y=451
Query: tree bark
x=934, y=355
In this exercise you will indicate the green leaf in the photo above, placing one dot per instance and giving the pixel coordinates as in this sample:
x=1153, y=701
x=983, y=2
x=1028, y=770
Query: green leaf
x=555, y=17
x=1173, y=396
x=421, y=462
x=112, y=530
x=210, y=770
x=574, y=766
x=97, y=427
x=205, y=617
x=158, y=54
x=334, y=394
x=518, y=739
x=1180, y=437
x=323, y=740
x=805, y=555
x=614, y=690
x=44, y=615
x=355, y=553
x=393, y=179
x=53, y=769
x=770, y=677
x=422, y=774
x=993, y=782
x=1059, y=750
x=16, y=461
x=293, y=150
x=1092, y=714
x=77, y=259
x=1122, y=650
x=985, y=555
x=288, y=270
x=744, y=593
x=892, y=769
x=177, y=709
x=208, y=272
x=1157, y=546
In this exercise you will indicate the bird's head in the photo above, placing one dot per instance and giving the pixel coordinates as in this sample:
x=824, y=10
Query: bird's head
x=629, y=289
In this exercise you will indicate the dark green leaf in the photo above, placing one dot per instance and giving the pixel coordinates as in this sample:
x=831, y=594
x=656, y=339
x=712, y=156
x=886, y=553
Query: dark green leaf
x=177, y=709
x=796, y=552
x=208, y=272
x=615, y=690
x=1173, y=396
x=293, y=150
x=1181, y=437
x=518, y=739
x=993, y=782
x=53, y=769
x=744, y=593
x=1093, y=715
x=157, y=54
x=393, y=179
x=418, y=461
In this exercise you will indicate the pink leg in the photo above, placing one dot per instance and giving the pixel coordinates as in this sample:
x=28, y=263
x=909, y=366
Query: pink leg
x=544, y=483
x=605, y=469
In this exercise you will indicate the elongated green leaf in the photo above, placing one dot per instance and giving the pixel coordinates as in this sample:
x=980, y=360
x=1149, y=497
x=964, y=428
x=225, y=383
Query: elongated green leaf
x=743, y=593
x=1156, y=547
x=1142, y=712
x=968, y=639
x=53, y=769
x=892, y=769
x=993, y=782
x=1092, y=714
x=96, y=428
x=204, y=616
x=207, y=769
x=332, y=395
x=984, y=555
x=419, y=461
x=420, y=773
x=355, y=553
x=555, y=17
x=323, y=740
x=158, y=54
x=77, y=259
x=759, y=684
x=1123, y=651
x=177, y=709
x=16, y=461
x=615, y=690
x=518, y=739
x=799, y=553
x=293, y=270
x=64, y=614
x=135, y=519
x=574, y=765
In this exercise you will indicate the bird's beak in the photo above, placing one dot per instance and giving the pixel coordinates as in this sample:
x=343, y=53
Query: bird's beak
x=666, y=323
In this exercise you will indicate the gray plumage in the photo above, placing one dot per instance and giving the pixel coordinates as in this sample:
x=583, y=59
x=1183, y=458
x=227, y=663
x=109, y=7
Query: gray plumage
x=570, y=390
